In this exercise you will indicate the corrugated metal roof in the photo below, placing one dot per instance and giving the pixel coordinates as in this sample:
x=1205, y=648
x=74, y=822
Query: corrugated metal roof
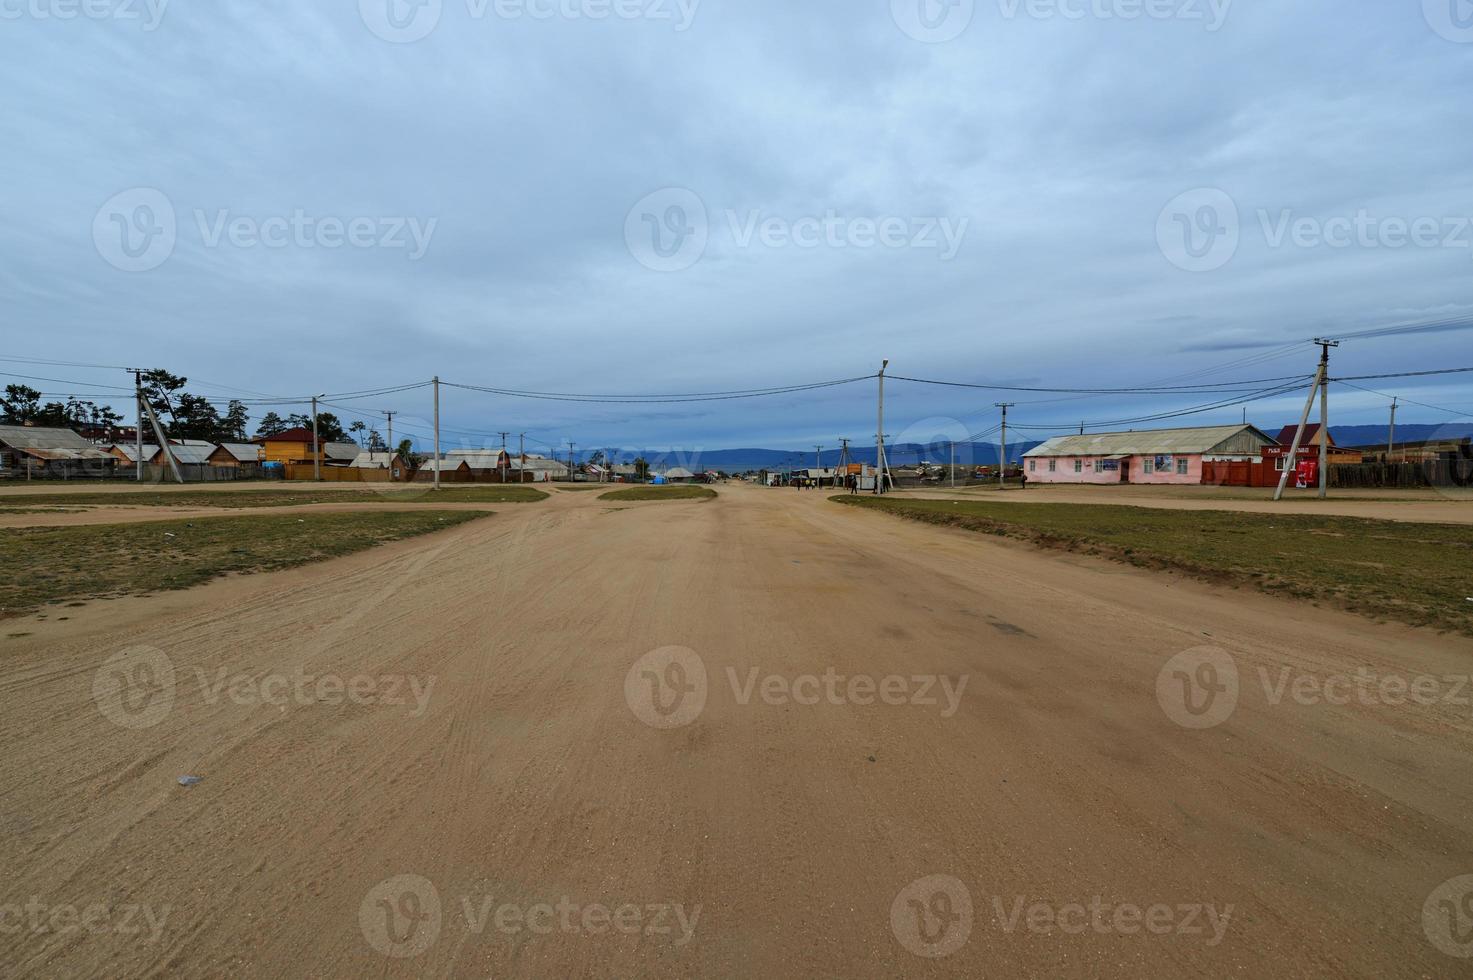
x=1147, y=442
x=343, y=451
x=66, y=455
x=130, y=450
x=187, y=454
x=443, y=465
x=677, y=473
x=243, y=451
x=42, y=437
x=372, y=461
x=489, y=459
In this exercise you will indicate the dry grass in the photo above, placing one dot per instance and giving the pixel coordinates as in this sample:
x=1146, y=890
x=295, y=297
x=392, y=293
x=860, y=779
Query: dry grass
x=45, y=565
x=1420, y=574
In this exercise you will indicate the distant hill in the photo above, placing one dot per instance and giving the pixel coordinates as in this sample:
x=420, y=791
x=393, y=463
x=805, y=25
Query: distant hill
x=1375, y=435
x=976, y=453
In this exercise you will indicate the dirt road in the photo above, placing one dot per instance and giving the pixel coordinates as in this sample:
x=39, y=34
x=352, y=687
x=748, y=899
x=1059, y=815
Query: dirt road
x=492, y=801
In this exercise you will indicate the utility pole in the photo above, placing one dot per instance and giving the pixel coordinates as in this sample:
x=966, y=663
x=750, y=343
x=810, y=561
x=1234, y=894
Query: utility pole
x=316, y=445
x=158, y=433
x=1325, y=346
x=392, y=450
x=437, y=432
x=1321, y=380
x=953, y=464
x=522, y=452
x=880, y=436
x=571, y=446
x=1002, y=453
x=503, y=440
x=138, y=441
x=818, y=461
x=1391, y=432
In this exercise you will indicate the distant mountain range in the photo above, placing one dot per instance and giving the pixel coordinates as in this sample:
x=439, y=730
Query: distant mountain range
x=977, y=453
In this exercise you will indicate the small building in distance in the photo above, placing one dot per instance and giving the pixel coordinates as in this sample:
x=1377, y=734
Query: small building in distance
x=382, y=461
x=1154, y=456
x=43, y=452
x=339, y=453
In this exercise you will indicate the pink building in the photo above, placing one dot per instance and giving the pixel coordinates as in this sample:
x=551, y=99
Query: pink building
x=1148, y=456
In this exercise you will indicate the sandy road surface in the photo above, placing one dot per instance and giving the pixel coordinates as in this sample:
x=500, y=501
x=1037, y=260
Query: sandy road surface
x=528, y=779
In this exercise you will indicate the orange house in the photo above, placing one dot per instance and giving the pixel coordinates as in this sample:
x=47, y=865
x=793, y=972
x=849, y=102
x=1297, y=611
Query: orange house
x=290, y=446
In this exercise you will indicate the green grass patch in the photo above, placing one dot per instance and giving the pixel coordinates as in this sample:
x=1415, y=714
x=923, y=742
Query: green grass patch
x=44, y=565
x=402, y=493
x=679, y=491
x=1420, y=574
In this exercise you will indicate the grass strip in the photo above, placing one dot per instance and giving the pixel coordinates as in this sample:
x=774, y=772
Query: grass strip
x=677, y=492
x=489, y=493
x=1421, y=574
x=44, y=565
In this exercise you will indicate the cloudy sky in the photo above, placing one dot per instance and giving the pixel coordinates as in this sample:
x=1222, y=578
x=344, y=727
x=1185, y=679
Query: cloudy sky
x=671, y=196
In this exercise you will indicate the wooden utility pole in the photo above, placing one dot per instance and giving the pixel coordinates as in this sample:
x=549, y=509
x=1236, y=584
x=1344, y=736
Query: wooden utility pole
x=1321, y=380
x=1391, y=432
x=880, y=466
x=138, y=440
x=437, y=432
x=1325, y=346
x=316, y=446
x=1002, y=454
